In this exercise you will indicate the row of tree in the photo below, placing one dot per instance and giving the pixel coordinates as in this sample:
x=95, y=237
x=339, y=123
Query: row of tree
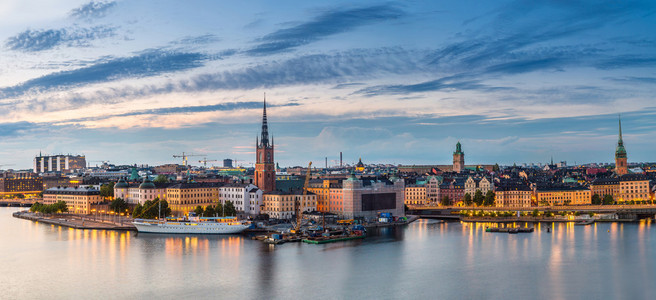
x=479, y=199
x=218, y=210
x=118, y=205
x=57, y=207
x=152, y=209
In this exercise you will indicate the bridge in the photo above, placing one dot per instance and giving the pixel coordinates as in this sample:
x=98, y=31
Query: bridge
x=633, y=212
x=17, y=202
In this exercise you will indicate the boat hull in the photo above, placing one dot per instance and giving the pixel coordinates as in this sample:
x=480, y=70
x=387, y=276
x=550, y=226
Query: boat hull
x=189, y=228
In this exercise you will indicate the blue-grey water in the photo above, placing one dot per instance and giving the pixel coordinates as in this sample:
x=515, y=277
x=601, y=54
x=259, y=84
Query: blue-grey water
x=422, y=260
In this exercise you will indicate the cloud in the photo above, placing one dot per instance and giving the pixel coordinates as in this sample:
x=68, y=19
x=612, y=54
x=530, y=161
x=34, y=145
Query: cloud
x=230, y=106
x=149, y=63
x=451, y=83
x=327, y=24
x=92, y=10
x=308, y=69
x=45, y=39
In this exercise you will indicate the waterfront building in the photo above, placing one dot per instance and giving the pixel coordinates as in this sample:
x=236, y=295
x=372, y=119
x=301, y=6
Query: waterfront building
x=621, y=167
x=633, y=187
x=247, y=198
x=25, y=183
x=454, y=189
x=139, y=193
x=563, y=195
x=513, y=196
x=433, y=189
x=58, y=163
x=606, y=186
x=282, y=205
x=415, y=194
x=458, y=159
x=327, y=191
x=364, y=197
x=78, y=199
x=474, y=184
x=185, y=197
x=265, y=173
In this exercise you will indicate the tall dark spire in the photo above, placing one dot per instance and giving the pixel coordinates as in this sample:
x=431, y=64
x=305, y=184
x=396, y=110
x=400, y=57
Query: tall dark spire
x=620, y=142
x=264, y=141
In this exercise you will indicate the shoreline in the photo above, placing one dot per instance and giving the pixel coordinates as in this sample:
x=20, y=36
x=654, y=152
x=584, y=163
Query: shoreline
x=71, y=222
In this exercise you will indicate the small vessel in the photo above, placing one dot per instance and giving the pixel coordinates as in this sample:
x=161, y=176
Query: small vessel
x=194, y=225
x=584, y=222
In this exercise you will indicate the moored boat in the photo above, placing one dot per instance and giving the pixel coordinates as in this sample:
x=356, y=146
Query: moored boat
x=219, y=225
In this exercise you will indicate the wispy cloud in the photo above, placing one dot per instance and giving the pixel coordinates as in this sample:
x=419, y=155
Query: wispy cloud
x=148, y=63
x=93, y=10
x=45, y=39
x=451, y=83
x=327, y=24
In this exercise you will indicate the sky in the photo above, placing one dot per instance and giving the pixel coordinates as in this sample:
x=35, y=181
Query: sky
x=391, y=82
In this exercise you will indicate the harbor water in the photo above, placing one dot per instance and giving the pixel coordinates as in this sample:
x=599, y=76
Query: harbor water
x=425, y=260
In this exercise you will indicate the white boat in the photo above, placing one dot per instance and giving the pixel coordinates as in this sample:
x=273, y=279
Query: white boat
x=226, y=225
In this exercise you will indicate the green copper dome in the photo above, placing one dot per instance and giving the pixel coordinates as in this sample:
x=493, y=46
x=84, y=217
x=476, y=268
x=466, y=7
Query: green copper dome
x=147, y=184
x=121, y=184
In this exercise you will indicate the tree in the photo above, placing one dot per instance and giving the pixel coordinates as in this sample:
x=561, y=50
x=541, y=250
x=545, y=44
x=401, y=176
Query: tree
x=107, y=190
x=20, y=196
x=136, y=213
x=219, y=209
x=161, y=179
x=152, y=210
x=596, y=200
x=118, y=205
x=230, y=209
x=568, y=202
x=536, y=212
x=209, y=211
x=445, y=201
x=478, y=198
x=468, y=199
x=35, y=207
x=495, y=168
x=199, y=211
x=608, y=200
x=489, y=199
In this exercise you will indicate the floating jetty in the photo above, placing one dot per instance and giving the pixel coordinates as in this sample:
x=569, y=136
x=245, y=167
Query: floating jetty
x=326, y=240
x=510, y=230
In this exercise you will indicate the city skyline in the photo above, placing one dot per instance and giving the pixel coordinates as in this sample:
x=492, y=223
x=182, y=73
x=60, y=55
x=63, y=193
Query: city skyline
x=397, y=82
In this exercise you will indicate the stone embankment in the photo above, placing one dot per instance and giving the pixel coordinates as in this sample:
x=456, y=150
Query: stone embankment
x=78, y=221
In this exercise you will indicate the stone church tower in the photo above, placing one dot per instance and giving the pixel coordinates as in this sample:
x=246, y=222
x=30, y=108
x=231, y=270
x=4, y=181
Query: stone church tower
x=458, y=159
x=621, y=167
x=265, y=173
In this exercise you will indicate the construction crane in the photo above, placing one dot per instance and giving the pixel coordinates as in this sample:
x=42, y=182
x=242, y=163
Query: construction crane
x=185, y=157
x=205, y=161
x=299, y=207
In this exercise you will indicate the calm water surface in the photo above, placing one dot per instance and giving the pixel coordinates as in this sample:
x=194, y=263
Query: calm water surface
x=423, y=260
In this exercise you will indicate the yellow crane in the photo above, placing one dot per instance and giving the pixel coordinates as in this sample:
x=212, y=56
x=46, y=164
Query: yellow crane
x=185, y=156
x=299, y=207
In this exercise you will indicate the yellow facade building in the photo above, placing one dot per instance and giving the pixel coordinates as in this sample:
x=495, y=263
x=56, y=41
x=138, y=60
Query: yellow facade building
x=185, y=197
x=282, y=205
x=78, y=199
x=415, y=195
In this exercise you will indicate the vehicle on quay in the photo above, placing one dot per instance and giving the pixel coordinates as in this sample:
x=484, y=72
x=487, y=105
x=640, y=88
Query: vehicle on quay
x=192, y=225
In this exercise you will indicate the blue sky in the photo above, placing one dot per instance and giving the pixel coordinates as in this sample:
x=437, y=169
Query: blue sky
x=391, y=82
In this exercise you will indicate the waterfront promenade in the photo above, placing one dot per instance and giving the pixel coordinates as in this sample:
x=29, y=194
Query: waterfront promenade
x=624, y=212
x=79, y=222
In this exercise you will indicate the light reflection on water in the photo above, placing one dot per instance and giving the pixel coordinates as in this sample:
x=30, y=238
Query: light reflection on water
x=424, y=259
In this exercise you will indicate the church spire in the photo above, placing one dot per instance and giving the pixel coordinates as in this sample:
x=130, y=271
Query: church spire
x=265, y=127
x=620, y=142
